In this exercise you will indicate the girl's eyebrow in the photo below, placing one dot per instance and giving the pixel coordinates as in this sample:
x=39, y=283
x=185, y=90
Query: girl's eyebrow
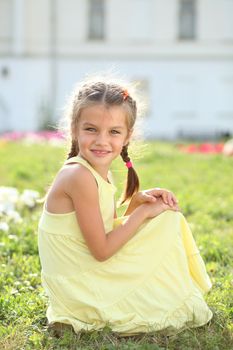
x=117, y=127
x=112, y=127
x=86, y=123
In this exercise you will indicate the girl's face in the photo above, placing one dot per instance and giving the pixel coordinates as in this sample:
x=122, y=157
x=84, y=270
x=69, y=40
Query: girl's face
x=101, y=133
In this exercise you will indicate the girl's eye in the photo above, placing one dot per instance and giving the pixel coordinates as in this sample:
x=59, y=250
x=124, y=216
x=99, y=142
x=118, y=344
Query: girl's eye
x=115, y=132
x=91, y=129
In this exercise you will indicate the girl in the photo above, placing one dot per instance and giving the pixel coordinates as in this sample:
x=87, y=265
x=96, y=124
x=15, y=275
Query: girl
x=138, y=273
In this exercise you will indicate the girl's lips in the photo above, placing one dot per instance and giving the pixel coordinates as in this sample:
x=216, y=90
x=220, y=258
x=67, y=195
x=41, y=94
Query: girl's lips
x=100, y=152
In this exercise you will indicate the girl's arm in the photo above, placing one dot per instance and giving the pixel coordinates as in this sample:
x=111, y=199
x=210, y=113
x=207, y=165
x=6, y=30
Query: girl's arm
x=82, y=188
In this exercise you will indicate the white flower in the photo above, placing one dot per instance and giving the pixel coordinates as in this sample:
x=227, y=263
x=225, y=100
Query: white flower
x=14, y=216
x=13, y=237
x=4, y=227
x=8, y=198
x=29, y=198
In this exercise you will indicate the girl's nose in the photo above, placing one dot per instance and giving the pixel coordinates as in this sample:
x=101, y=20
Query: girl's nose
x=101, y=139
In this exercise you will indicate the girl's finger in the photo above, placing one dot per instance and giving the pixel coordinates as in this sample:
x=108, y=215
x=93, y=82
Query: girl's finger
x=149, y=193
x=149, y=198
x=170, y=199
x=165, y=197
x=175, y=200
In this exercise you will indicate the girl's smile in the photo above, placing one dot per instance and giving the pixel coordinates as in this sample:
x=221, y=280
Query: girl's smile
x=101, y=134
x=100, y=153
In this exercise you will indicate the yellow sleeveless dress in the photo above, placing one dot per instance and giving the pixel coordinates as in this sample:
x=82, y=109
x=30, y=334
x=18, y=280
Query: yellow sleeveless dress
x=155, y=281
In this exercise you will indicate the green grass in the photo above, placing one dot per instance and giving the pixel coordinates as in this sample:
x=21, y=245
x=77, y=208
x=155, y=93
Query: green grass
x=204, y=187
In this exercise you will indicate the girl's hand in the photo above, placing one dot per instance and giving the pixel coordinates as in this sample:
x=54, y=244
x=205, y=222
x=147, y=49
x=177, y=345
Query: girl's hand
x=167, y=196
x=151, y=196
x=154, y=209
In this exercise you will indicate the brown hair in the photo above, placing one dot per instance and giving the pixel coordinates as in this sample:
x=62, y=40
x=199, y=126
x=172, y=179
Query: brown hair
x=109, y=94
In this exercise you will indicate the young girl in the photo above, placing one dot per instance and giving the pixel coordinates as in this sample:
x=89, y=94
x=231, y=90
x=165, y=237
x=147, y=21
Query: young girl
x=138, y=273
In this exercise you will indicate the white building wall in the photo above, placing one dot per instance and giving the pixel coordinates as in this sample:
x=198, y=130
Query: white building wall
x=37, y=22
x=23, y=94
x=6, y=26
x=216, y=20
x=17, y=13
x=71, y=25
x=164, y=13
x=189, y=83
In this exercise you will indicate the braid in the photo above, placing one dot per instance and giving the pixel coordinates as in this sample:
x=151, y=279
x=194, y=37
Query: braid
x=124, y=154
x=74, y=149
x=132, y=185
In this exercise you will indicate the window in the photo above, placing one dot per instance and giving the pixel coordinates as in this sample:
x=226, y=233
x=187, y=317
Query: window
x=187, y=19
x=96, y=19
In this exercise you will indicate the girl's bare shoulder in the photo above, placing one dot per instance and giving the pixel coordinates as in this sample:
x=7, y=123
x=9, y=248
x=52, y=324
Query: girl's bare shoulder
x=70, y=183
x=76, y=175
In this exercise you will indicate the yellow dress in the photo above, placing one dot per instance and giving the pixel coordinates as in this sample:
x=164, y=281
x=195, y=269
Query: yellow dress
x=155, y=281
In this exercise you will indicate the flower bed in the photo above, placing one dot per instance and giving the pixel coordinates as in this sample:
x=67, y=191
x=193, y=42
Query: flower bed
x=224, y=148
x=55, y=138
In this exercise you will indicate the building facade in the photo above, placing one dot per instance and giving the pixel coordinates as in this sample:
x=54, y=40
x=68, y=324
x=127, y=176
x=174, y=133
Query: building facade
x=180, y=51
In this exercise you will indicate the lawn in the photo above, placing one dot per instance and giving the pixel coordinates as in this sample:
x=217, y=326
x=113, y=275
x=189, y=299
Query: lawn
x=203, y=184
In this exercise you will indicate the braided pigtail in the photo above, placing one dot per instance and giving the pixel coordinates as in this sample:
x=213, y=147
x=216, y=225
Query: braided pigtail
x=74, y=149
x=132, y=185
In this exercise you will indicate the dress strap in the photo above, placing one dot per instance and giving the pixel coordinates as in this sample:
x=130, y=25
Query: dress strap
x=80, y=160
x=97, y=176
